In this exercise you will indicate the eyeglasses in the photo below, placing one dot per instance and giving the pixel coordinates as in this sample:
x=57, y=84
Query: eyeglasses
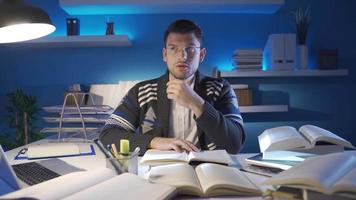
x=189, y=49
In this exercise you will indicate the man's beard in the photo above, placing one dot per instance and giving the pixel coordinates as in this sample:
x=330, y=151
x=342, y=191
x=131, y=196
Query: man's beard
x=182, y=77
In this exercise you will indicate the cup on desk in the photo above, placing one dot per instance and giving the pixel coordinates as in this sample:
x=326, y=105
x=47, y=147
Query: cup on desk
x=127, y=162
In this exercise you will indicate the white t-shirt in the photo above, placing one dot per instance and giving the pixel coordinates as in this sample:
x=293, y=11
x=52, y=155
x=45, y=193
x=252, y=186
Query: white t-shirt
x=182, y=124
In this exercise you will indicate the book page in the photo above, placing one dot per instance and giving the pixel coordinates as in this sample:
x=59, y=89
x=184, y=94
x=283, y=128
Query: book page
x=125, y=186
x=52, y=150
x=223, y=180
x=281, y=138
x=63, y=186
x=216, y=156
x=315, y=134
x=180, y=175
x=319, y=173
x=157, y=157
x=346, y=184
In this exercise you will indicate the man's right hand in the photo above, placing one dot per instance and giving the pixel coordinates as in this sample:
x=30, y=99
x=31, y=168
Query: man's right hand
x=178, y=145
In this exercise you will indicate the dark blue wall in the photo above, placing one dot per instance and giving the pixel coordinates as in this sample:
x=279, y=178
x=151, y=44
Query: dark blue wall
x=325, y=101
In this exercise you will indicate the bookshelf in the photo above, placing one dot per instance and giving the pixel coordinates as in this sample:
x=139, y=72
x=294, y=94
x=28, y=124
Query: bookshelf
x=276, y=74
x=78, y=41
x=263, y=108
x=285, y=73
x=106, y=7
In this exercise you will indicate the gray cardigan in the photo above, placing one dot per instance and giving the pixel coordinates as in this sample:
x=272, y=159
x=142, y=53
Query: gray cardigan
x=144, y=114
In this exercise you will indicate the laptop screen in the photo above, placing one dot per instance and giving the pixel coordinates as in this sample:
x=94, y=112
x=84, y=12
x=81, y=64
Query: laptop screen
x=8, y=181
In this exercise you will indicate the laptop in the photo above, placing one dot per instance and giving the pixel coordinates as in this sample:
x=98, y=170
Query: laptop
x=8, y=180
x=30, y=173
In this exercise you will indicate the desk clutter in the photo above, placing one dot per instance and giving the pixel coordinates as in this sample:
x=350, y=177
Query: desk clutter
x=293, y=168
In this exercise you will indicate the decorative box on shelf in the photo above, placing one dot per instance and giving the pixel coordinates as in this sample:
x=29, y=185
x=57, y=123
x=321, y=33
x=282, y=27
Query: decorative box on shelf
x=244, y=94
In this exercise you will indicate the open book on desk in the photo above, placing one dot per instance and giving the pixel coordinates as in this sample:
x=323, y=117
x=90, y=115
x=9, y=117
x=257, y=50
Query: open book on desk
x=157, y=157
x=206, y=179
x=309, y=139
x=95, y=184
x=330, y=174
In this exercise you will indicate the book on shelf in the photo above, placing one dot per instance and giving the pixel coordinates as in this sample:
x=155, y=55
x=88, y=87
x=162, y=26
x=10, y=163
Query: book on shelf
x=328, y=174
x=248, y=52
x=240, y=62
x=250, y=68
x=309, y=139
x=157, y=157
x=207, y=179
x=103, y=182
x=248, y=59
x=254, y=57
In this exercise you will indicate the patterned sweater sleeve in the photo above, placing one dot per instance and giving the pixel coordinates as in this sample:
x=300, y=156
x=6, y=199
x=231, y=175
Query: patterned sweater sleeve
x=124, y=122
x=222, y=122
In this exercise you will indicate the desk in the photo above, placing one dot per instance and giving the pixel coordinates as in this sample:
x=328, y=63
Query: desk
x=98, y=161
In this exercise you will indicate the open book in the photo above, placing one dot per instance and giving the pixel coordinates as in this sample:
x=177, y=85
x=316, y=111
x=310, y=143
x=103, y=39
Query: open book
x=103, y=183
x=332, y=173
x=157, y=157
x=206, y=179
x=311, y=138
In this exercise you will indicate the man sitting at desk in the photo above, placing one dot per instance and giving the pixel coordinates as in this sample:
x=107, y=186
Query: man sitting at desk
x=182, y=109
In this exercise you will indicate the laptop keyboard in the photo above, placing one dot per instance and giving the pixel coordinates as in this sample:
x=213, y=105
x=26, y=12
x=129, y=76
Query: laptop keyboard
x=33, y=173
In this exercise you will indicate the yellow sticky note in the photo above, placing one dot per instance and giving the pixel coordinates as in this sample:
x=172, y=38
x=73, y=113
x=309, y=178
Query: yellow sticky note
x=124, y=146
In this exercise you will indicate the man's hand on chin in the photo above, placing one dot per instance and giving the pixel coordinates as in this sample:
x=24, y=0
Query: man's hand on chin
x=182, y=93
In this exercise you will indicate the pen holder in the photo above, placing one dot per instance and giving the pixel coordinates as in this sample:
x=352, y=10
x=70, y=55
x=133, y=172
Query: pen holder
x=128, y=162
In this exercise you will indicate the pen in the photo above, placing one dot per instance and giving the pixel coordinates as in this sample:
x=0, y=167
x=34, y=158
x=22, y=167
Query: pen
x=109, y=150
x=116, y=153
x=135, y=152
x=102, y=148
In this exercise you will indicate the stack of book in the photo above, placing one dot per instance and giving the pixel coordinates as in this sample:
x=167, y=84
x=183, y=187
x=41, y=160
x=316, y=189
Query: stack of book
x=284, y=147
x=247, y=59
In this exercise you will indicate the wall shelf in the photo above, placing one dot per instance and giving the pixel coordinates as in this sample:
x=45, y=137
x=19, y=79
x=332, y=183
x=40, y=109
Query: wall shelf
x=286, y=73
x=77, y=41
x=107, y=7
x=263, y=108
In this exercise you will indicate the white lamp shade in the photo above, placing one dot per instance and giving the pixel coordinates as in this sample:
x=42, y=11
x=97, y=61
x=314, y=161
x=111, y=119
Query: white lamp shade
x=20, y=22
x=23, y=32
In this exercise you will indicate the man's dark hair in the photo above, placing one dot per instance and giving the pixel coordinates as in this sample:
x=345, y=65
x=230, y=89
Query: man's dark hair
x=183, y=26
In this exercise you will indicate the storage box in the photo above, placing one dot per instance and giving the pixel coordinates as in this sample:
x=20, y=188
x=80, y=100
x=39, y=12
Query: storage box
x=280, y=52
x=243, y=93
x=327, y=58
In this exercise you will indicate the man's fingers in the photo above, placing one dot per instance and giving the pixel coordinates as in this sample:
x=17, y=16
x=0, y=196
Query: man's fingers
x=192, y=146
x=176, y=147
x=183, y=144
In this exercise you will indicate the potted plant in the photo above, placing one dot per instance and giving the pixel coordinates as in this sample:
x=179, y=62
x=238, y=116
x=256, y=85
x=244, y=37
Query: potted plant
x=302, y=21
x=22, y=110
